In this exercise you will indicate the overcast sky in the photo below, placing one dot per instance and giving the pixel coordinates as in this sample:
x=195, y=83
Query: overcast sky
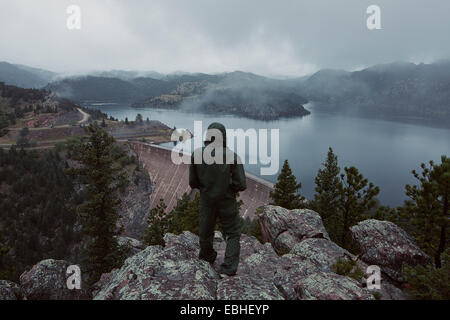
x=276, y=37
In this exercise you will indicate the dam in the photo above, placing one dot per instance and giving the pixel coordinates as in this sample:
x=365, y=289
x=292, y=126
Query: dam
x=170, y=181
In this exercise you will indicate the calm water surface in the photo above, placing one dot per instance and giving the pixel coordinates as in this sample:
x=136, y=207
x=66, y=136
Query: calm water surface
x=385, y=152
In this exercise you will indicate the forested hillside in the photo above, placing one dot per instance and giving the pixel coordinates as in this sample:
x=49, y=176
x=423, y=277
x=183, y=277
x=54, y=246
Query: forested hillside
x=36, y=208
x=397, y=90
x=23, y=76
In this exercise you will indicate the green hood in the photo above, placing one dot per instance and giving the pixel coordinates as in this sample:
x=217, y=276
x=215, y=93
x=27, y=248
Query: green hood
x=218, y=180
x=221, y=128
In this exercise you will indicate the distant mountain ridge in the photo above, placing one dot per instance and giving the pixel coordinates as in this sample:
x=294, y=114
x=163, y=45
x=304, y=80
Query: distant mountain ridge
x=24, y=76
x=84, y=88
x=107, y=87
x=397, y=90
x=402, y=90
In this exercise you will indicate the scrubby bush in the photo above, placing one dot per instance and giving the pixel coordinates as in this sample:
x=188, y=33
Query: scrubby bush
x=428, y=282
x=348, y=268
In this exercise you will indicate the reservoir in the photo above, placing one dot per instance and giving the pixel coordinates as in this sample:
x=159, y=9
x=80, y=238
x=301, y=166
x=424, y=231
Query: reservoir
x=384, y=151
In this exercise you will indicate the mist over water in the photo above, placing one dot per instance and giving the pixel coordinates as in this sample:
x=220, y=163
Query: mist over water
x=385, y=152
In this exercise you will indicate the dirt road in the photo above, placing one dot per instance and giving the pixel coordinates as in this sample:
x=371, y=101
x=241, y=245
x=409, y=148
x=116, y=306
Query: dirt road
x=85, y=116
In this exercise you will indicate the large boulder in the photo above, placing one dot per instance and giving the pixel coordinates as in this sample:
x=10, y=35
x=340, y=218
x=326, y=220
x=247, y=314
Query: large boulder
x=260, y=268
x=47, y=280
x=248, y=287
x=290, y=268
x=175, y=272
x=321, y=253
x=186, y=242
x=161, y=273
x=330, y=286
x=384, y=244
x=10, y=291
x=284, y=228
x=255, y=258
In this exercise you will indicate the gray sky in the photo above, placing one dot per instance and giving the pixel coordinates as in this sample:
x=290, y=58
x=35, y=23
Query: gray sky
x=276, y=37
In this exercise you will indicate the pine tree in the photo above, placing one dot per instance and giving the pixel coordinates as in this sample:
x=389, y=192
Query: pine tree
x=98, y=214
x=327, y=193
x=178, y=213
x=184, y=217
x=427, y=211
x=126, y=120
x=139, y=118
x=285, y=191
x=428, y=282
x=158, y=225
x=356, y=198
x=190, y=219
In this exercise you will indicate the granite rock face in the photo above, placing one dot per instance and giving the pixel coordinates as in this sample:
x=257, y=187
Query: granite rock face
x=175, y=272
x=161, y=273
x=384, y=244
x=284, y=228
x=265, y=271
x=247, y=288
x=321, y=253
x=331, y=286
x=47, y=280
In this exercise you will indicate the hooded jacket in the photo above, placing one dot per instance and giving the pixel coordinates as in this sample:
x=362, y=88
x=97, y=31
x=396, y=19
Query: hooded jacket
x=217, y=180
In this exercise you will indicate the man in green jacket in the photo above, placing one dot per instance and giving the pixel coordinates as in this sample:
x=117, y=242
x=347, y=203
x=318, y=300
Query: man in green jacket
x=219, y=180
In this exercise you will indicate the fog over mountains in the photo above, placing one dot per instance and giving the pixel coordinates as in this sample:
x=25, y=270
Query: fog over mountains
x=397, y=90
x=390, y=90
x=24, y=76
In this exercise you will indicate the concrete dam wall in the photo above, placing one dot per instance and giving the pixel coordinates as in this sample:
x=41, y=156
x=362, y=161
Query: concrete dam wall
x=170, y=181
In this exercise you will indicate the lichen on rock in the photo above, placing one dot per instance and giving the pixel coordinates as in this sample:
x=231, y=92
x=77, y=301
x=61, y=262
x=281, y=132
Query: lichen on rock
x=284, y=228
x=331, y=286
x=385, y=244
x=47, y=280
x=266, y=271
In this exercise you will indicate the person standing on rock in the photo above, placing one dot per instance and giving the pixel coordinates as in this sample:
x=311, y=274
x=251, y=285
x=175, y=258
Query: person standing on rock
x=219, y=174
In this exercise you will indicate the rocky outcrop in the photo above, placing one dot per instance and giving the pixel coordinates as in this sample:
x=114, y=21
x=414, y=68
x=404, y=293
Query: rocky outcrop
x=321, y=253
x=384, y=244
x=47, y=280
x=330, y=286
x=132, y=245
x=173, y=271
x=10, y=291
x=158, y=273
x=284, y=228
x=247, y=288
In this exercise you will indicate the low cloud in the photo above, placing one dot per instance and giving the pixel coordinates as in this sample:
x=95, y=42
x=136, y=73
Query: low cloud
x=275, y=38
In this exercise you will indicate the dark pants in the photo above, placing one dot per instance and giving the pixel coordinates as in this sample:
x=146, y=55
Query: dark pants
x=225, y=210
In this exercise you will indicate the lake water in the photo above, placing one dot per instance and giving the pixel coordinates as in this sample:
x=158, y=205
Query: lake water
x=385, y=152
